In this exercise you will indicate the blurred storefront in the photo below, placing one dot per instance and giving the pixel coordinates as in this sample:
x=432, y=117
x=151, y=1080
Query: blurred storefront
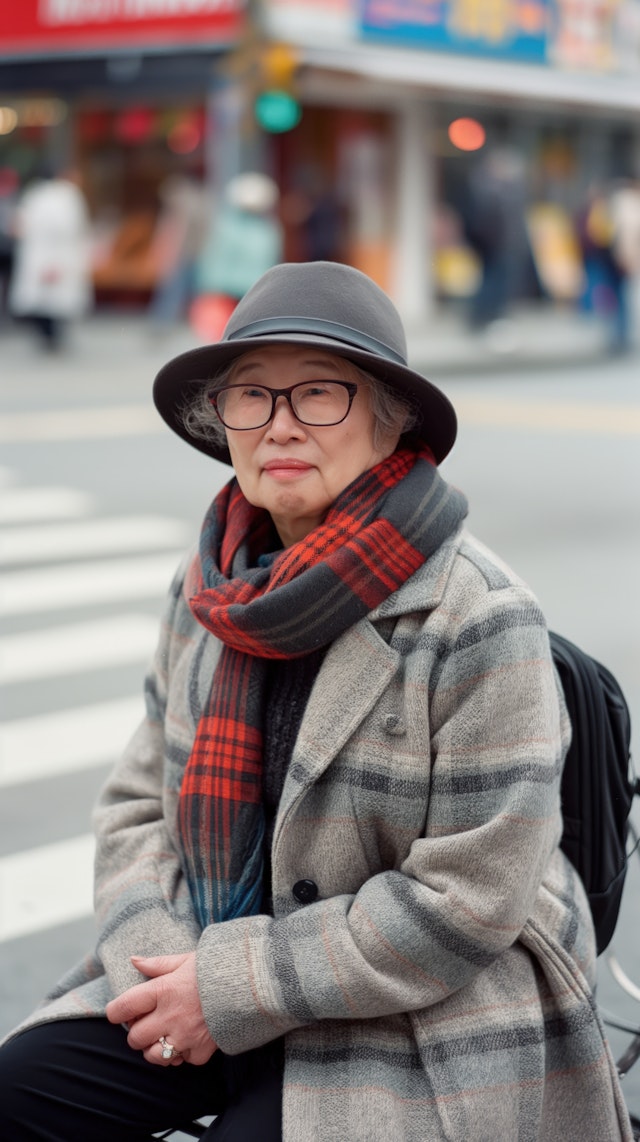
x=119, y=91
x=374, y=116
x=404, y=99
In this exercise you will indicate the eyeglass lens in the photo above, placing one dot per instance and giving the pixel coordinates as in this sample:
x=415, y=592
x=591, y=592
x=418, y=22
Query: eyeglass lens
x=313, y=402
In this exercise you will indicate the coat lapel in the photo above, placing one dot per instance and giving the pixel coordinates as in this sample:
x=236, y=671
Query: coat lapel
x=356, y=671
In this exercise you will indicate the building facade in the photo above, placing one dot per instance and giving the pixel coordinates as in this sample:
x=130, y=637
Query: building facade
x=400, y=102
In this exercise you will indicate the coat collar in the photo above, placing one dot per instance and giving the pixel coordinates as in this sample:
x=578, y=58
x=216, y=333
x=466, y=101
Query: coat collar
x=424, y=589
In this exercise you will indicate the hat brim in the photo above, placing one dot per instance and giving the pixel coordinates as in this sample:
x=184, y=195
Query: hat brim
x=175, y=381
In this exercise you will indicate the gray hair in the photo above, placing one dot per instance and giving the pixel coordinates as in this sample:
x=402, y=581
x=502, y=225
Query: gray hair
x=392, y=413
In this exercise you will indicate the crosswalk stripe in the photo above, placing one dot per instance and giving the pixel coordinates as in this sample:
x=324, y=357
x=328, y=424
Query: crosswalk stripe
x=89, y=537
x=550, y=416
x=77, y=646
x=46, y=886
x=66, y=741
x=100, y=581
x=80, y=423
x=110, y=559
x=25, y=504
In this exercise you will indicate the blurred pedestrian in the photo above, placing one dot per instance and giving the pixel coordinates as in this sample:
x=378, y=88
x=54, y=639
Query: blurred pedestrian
x=9, y=189
x=313, y=209
x=51, y=280
x=181, y=231
x=609, y=230
x=624, y=207
x=495, y=227
x=244, y=242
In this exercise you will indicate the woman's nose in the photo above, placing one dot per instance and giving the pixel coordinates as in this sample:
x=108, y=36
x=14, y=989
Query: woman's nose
x=283, y=422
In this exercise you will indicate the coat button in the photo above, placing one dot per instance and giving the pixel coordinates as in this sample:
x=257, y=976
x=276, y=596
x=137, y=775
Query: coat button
x=394, y=724
x=305, y=891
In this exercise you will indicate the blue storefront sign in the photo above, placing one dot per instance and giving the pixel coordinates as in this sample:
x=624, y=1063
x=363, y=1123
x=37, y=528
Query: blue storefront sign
x=508, y=29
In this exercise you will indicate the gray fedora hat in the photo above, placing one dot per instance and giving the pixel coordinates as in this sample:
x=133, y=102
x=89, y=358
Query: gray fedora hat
x=326, y=304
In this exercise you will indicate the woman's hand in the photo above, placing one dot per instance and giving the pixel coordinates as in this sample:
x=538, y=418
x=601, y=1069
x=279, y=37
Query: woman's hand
x=166, y=1004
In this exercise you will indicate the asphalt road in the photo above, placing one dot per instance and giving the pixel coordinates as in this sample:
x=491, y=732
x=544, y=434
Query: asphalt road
x=98, y=501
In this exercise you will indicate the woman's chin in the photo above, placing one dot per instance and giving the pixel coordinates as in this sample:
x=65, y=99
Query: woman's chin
x=294, y=515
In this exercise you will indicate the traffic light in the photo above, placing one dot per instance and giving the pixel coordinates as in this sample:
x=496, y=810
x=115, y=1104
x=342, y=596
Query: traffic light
x=276, y=107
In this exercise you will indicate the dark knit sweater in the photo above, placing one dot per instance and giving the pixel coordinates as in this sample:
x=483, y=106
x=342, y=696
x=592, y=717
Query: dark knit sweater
x=288, y=686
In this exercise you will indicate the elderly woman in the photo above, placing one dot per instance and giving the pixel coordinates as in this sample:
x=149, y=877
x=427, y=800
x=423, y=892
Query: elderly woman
x=330, y=896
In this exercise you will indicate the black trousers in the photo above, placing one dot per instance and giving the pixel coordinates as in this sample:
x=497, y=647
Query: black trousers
x=79, y=1080
x=49, y=329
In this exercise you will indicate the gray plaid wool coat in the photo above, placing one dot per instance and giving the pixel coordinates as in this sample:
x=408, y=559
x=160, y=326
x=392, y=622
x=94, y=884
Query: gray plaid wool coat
x=440, y=987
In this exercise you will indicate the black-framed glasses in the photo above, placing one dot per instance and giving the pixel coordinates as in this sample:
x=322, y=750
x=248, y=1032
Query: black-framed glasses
x=316, y=403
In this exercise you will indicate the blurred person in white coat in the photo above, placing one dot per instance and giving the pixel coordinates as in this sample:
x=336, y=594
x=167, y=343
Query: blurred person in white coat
x=51, y=282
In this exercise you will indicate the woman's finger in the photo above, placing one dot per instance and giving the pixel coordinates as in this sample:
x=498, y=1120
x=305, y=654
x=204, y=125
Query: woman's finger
x=158, y=965
x=145, y=1033
x=128, y=1007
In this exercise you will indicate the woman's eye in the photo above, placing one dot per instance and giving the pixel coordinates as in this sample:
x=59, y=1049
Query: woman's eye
x=316, y=390
x=254, y=394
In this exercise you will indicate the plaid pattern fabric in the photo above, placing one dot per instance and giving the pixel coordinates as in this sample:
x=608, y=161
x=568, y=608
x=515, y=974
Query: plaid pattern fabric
x=378, y=532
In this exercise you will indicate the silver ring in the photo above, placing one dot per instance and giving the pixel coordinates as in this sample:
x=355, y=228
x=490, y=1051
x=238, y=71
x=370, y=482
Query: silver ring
x=168, y=1049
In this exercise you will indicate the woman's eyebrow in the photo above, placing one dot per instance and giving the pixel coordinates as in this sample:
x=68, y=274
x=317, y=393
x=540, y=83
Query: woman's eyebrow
x=244, y=367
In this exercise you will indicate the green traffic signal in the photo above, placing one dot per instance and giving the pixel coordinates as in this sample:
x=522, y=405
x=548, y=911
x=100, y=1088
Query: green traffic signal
x=277, y=111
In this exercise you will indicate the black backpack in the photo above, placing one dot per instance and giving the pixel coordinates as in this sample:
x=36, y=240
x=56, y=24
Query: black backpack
x=597, y=790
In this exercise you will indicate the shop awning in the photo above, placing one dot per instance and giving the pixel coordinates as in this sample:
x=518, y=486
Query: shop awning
x=49, y=27
x=456, y=75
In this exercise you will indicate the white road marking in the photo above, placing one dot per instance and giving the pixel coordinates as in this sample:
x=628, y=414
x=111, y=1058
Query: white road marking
x=89, y=537
x=46, y=886
x=77, y=647
x=80, y=424
x=601, y=419
x=24, y=504
x=67, y=740
x=53, y=884
x=55, y=588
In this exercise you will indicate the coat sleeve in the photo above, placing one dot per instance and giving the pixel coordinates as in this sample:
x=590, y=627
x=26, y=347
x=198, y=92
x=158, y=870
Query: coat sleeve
x=414, y=934
x=141, y=899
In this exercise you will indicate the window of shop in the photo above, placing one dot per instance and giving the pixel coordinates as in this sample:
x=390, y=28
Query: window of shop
x=336, y=175
x=125, y=156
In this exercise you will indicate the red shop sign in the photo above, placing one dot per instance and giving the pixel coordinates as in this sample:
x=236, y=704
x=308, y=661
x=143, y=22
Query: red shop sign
x=45, y=26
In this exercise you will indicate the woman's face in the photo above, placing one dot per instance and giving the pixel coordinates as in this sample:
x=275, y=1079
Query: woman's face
x=295, y=470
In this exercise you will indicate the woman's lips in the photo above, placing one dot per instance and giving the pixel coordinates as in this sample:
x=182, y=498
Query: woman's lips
x=286, y=469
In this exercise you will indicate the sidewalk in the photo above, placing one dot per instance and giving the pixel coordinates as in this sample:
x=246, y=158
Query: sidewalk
x=124, y=345
x=531, y=336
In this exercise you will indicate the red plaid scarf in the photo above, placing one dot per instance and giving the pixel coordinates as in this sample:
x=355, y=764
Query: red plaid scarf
x=377, y=533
